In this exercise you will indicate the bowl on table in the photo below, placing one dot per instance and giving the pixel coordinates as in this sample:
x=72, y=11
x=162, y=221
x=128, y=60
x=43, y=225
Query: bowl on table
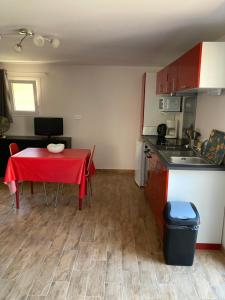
x=55, y=148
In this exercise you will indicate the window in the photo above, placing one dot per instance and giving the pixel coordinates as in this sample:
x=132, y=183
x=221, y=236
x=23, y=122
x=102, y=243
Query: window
x=25, y=96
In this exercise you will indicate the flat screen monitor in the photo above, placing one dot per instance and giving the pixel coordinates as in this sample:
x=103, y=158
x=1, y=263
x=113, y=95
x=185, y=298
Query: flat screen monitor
x=48, y=126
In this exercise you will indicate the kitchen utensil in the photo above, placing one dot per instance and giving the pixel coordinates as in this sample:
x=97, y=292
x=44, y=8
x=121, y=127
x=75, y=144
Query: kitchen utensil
x=215, y=148
x=203, y=147
x=196, y=135
x=189, y=132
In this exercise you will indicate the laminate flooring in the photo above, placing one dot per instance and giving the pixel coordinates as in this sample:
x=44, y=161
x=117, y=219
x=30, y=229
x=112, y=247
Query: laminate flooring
x=110, y=250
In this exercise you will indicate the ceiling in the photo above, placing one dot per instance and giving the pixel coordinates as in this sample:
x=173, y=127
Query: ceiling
x=111, y=32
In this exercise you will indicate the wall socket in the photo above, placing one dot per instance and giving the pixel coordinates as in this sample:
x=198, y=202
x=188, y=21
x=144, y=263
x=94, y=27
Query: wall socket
x=77, y=117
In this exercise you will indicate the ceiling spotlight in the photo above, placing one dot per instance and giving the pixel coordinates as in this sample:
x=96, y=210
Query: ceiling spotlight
x=55, y=43
x=18, y=48
x=25, y=31
x=39, y=40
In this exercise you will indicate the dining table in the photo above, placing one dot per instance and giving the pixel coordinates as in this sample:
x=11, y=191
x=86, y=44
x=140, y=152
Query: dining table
x=40, y=165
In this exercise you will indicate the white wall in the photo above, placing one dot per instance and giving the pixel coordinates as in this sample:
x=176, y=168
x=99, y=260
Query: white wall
x=108, y=98
x=210, y=115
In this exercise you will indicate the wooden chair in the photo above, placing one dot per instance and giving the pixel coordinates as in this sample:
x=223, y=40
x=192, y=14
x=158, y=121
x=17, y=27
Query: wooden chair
x=13, y=149
x=88, y=174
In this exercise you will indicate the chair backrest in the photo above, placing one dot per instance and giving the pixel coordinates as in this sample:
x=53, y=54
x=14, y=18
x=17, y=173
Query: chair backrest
x=13, y=148
x=90, y=162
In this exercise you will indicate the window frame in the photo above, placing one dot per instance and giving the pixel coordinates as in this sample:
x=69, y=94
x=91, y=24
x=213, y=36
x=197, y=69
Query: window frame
x=36, y=90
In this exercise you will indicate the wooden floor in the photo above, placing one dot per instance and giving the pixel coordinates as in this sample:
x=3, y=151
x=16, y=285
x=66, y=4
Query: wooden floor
x=108, y=251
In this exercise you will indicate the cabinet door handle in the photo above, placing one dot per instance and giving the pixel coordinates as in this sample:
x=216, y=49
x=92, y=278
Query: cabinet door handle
x=173, y=87
x=185, y=86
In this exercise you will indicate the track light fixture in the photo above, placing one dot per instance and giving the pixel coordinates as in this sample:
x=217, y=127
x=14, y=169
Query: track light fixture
x=38, y=40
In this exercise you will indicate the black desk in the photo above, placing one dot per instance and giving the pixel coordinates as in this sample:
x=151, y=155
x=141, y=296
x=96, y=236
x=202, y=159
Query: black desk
x=24, y=142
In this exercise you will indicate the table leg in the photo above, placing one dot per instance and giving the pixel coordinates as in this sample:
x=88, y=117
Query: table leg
x=80, y=203
x=17, y=196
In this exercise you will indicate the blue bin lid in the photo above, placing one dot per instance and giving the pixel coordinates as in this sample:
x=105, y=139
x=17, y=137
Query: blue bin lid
x=181, y=210
x=181, y=213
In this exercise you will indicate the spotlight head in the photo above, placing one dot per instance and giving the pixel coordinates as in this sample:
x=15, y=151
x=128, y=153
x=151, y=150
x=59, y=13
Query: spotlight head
x=25, y=34
x=39, y=40
x=55, y=43
x=18, y=48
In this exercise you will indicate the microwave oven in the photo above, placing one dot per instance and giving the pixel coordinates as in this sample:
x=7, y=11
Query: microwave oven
x=170, y=104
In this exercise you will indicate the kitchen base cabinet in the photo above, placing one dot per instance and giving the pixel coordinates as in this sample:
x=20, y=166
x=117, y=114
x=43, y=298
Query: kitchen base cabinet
x=156, y=188
x=204, y=188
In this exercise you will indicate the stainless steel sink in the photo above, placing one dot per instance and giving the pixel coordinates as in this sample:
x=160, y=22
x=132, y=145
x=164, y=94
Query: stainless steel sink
x=179, y=153
x=188, y=157
x=186, y=160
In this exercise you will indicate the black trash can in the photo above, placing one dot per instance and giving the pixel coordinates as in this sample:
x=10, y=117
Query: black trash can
x=182, y=222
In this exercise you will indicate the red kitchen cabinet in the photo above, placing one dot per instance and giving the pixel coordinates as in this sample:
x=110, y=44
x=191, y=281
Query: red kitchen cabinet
x=188, y=68
x=163, y=81
x=166, y=83
x=203, y=67
x=182, y=74
x=173, y=77
x=156, y=189
x=166, y=80
x=159, y=82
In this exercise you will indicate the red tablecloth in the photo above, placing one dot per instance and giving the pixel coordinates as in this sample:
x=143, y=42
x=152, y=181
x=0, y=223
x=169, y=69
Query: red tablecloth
x=38, y=164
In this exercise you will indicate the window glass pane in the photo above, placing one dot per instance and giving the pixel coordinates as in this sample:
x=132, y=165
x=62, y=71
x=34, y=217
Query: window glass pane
x=23, y=94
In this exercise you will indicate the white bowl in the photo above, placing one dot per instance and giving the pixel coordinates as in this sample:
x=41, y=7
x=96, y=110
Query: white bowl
x=55, y=148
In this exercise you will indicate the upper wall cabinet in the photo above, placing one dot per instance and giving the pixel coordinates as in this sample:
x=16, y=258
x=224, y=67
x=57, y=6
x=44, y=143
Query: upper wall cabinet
x=202, y=67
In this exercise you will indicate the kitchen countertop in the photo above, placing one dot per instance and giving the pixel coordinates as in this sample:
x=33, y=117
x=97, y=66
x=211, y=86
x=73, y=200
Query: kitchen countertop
x=151, y=140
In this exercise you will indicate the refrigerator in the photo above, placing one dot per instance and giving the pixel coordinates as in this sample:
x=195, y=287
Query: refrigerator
x=139, y=172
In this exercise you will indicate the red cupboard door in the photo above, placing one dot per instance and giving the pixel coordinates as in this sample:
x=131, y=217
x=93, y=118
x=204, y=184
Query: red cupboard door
x=161, y=192
x=156, y=189
x=159, y=82
x=189, y=68
x=173, y=77
x=165, y=89
x=162, y=82
x=166, y=86
x=149, y=188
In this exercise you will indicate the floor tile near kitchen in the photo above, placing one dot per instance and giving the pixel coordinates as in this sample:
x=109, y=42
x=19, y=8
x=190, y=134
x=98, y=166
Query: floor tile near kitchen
x=110, y=250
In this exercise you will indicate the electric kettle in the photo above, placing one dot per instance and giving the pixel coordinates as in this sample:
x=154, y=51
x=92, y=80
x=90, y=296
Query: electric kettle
x=161, y=129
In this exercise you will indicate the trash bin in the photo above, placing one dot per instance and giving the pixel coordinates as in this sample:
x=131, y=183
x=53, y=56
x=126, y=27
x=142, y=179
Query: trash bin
x=182, y=222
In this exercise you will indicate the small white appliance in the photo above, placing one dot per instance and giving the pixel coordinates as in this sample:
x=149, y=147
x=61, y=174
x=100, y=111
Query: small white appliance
x=171, y=132
x=170, y=104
